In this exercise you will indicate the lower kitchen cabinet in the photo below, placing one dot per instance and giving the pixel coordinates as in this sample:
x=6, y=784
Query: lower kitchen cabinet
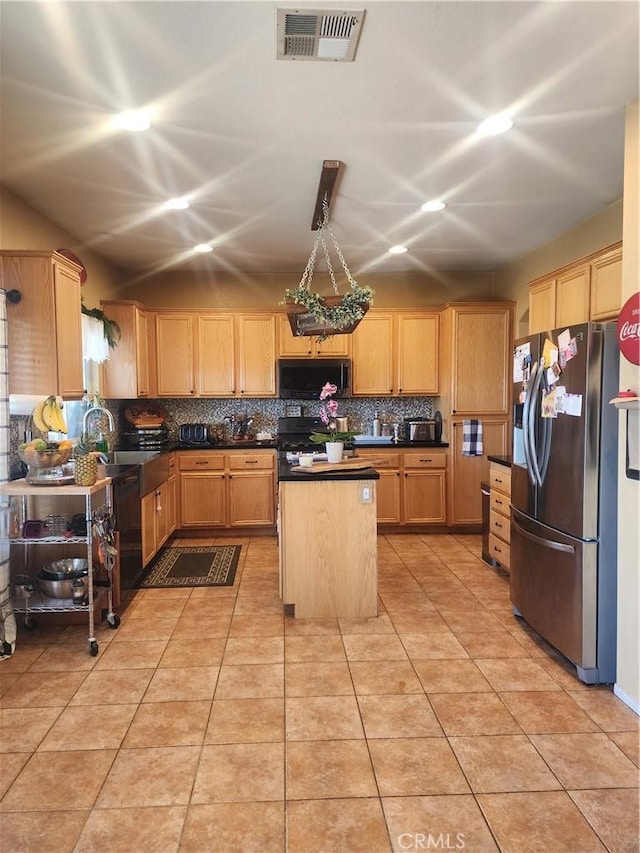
x=158, y=519
x=412, y=485
x=466, y=473
x=424, y=486
x=219, y=489
x=499, y=514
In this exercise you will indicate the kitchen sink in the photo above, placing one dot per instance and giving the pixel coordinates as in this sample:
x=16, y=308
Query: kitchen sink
x=152, y=465
x=132, y=457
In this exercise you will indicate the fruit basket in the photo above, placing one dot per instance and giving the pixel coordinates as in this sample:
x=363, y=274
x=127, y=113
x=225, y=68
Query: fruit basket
x=52, y=457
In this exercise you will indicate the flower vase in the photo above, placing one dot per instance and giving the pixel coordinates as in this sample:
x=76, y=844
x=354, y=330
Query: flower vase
x=335, y=449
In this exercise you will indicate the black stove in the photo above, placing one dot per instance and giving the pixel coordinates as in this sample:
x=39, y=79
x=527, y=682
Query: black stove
x=293, y=433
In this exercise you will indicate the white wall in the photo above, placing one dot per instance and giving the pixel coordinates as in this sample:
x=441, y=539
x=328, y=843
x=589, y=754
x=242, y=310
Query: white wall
x=627, y=685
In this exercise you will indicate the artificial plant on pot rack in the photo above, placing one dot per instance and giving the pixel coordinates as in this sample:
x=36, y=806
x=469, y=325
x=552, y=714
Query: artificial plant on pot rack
x=338, y=314
x=328, y=416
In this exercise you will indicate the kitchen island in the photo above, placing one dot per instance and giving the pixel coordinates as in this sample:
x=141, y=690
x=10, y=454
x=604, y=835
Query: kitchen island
x=327, y=533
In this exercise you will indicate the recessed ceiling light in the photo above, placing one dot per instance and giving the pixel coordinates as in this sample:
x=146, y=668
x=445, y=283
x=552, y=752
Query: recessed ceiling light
x=397, y=250
x=132, y=120
x=433, y=206
x=494, y=125
x=176, y=204
x=203, y=247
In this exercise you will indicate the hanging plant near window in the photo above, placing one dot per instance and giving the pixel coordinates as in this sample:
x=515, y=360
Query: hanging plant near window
x=312, y=314
x=110, y=328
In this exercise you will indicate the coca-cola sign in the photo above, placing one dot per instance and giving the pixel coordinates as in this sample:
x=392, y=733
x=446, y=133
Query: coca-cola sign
x=629, y=329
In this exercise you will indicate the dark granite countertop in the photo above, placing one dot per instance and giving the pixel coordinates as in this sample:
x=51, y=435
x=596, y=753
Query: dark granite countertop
x=500, y=460
x=230, y=445
x=286, y=475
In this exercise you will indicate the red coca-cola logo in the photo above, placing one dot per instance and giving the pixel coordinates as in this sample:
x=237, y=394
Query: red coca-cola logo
x=629, y=329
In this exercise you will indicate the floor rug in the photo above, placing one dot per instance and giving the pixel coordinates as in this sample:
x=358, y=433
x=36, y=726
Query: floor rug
x=214, y=565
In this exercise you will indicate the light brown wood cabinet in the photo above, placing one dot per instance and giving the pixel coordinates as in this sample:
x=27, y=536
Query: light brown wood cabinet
x=256, y=349
x=467, y=472
x=476, y=343
x=588, y=289
x=219, y=489
x=45, y=326
x=129, y=370
x=412, y=485
x=158, y=519
x=500, y=514
x=215, y=355
x=396, y=353
x=297, y=346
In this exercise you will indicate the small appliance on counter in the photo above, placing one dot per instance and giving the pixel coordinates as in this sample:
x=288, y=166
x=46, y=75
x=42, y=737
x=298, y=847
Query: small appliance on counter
x=423, y=429
x=146, y=427
x=195, y=435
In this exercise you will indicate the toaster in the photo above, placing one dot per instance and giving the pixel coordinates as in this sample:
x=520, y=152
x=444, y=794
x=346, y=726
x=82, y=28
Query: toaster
x=194, y=434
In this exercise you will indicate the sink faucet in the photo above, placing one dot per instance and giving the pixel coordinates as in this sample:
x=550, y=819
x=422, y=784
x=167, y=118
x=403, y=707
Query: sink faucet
x=104, y=411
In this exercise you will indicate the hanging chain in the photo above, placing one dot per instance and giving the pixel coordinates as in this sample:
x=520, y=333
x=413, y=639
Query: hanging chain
x=307, y=275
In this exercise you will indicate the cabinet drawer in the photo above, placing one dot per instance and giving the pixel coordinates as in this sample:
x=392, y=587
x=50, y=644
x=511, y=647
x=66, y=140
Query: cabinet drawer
x=201, y=462
x=500, y=478
x=250, y=461
x=425, y=459
x=500, y=525
x=499, y=550
x=499, y=502
x=383, y=460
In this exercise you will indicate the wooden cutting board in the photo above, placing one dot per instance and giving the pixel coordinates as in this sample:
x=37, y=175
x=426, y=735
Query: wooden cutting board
x=345, y=465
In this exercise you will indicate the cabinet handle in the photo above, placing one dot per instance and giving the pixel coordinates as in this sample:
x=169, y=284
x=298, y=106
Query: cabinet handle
x=497, y=524
x=426, y=460
x=204, y=462
x=498, y=480
x=499, y=550
x=498, y=502
x=250, y=461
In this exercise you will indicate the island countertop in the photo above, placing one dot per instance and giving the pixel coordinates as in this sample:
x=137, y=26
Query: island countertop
x=287, y=475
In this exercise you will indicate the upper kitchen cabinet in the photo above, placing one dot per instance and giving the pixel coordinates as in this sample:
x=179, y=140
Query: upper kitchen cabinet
x=176, y=354
x=129, y=371
x=256, y=355
x=588, y=289
x=45, y=326
x=396, y=353
x=476, y=345
x=216, y=355
x=542, y=306
x=606, y=285
x=297, y=346
x=572, y=296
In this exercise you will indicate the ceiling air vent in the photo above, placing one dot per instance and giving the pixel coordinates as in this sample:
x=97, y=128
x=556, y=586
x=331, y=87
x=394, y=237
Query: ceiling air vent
x=318, y=35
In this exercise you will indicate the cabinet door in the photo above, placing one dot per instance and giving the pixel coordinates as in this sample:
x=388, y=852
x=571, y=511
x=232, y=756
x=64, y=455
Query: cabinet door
x=481, y=383
x=68, y=324
x=175, y=354
x=251, y=499
x=425, y=497
x=468, y=472
x=372, y=346
x=606, y=285
x=149, y=507
x=388, y=498
x=333, y=347
x=256, y=336
x=417, y=354
x=216, y=356
x=142, y=353
x=202, y=499
x=572, y=296
x=163, y=514
x=290, y=345
x=542, y=306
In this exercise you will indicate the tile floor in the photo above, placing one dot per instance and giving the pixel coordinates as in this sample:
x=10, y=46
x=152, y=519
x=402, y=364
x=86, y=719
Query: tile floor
x=209, y=722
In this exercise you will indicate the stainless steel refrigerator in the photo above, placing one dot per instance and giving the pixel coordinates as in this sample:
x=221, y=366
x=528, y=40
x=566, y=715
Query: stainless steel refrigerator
x=564, y=493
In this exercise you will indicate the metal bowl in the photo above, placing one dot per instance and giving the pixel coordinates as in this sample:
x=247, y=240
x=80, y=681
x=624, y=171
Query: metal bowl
x=55, y=588
x=67, y=569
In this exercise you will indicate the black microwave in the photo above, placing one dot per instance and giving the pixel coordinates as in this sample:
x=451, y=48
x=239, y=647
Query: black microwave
x=304, y=378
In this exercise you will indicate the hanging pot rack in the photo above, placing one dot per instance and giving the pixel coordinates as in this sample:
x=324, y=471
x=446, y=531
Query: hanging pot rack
x=311, y=314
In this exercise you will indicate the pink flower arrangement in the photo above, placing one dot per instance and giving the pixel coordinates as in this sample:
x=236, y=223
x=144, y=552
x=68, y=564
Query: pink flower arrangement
x=328, y=414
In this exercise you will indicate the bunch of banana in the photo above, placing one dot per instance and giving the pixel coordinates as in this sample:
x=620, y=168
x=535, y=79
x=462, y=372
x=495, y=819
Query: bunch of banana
x=47, y=416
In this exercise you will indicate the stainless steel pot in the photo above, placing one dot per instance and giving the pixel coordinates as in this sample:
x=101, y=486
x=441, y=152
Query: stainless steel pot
x=55, y=588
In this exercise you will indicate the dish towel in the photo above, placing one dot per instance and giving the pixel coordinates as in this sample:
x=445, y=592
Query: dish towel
x=472, y=438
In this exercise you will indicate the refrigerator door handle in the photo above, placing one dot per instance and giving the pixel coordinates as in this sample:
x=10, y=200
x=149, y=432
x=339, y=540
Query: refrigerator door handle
x=526, y=420
x=539, y=540
x=536, y=378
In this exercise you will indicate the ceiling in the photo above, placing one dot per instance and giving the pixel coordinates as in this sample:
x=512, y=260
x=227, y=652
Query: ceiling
x=244, y=135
